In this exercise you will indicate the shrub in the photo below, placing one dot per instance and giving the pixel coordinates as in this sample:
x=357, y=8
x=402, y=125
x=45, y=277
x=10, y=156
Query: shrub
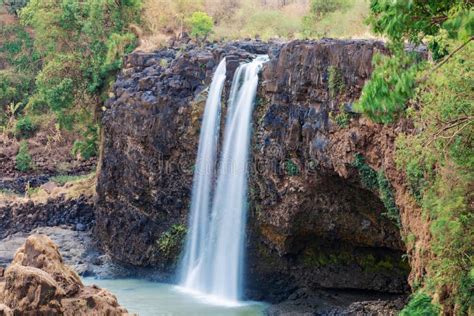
x=420, y=305
x=342, y=117
x=88, y=145
x=201, y=24
x=23, y=159
x=335, y=81
x=291, y=168
x=384, y=96
x=171, y=241
x=14, y=6
x=24, y=127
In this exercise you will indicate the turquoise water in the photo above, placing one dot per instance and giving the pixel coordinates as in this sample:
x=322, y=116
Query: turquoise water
x=159, y=299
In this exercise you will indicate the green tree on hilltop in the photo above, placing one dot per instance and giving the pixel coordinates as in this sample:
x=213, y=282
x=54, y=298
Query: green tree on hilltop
x=201, y=25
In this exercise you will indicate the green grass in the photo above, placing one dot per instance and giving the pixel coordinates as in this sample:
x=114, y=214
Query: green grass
x=63, y=179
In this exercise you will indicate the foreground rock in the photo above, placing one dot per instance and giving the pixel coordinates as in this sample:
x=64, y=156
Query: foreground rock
x=38, y=282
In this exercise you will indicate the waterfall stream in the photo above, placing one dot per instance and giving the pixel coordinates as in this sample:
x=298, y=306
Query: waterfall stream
x=213, y=257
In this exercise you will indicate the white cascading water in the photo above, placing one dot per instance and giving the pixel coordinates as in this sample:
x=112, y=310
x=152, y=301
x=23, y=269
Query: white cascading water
x=213, y=261
x=204, y=176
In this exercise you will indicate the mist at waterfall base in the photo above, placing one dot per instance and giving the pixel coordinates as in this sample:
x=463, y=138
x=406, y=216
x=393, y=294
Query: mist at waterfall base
x=213, y=258
x=211, y=269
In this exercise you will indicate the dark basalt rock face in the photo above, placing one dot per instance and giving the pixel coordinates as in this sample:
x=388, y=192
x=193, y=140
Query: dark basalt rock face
x=312, y=224
x=24, y=217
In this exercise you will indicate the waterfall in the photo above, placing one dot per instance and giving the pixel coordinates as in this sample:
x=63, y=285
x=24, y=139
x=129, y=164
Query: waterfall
x=203, y=176
x=215, y=268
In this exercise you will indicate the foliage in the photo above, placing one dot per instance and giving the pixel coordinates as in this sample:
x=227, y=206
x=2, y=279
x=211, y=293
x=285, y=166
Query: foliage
x=392, y=83
x=368, y=176
x=16, y=81
x=388, y=199
x=414, y=20
x=384, y=97
x=376, y=181
x=70, y=65
x=87, y=147
x=63, y=179
x=439, y=165
x=23, y=159
x=420, y=305
x=342, y=117
x=320, y=9
x=335, y=81
x=291, y=168
x=24, y=127
x=201, y=24
x=171, y=241
x=14, y=6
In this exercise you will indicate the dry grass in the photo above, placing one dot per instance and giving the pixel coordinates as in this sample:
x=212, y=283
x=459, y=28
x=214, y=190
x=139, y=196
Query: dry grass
x=70, y=190
x=236, y=19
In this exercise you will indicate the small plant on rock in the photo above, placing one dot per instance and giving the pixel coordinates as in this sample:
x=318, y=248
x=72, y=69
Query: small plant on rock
x=170, y=241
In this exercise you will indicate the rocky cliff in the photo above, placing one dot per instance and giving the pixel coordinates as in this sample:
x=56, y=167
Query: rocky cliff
x=322, y=210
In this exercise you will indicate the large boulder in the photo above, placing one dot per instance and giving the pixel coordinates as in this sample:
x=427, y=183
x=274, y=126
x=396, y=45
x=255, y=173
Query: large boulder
x=38, y=282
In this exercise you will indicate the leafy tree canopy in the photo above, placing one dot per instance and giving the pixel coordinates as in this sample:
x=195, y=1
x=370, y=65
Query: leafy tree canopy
x=439, y=24
x=201, y=24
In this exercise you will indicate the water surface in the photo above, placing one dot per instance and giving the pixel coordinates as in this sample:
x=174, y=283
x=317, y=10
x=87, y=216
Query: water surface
x=159, y=299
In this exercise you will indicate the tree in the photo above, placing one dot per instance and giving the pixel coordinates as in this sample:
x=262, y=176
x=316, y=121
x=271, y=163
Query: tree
x=439, y=24
x=319, y=9
x=201, y=24
x=81, y=44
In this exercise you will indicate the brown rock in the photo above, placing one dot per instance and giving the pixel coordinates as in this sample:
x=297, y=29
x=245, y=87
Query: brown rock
x=38, y=282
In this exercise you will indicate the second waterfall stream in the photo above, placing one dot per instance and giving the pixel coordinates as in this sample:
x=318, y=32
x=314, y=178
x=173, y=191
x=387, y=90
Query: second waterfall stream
x=213, y=258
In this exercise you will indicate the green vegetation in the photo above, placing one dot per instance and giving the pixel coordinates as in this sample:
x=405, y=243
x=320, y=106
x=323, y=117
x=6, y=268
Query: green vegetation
x=435, y=23
x=24, y=128
x=70, y=65
x=319, y=9
x=233, y=19
x=341, y=117
x=201, y=25
x=376, y=181
x=291, y=168
x=420, y=305
x=63, y=179
x=335, y=81
x=14, y=6
x=384, y=97
x=439, y=166
x=18, y=80
x=436, y=157
x=171, y=241
x=23, y=159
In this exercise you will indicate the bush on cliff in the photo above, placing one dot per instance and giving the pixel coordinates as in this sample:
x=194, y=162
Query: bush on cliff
x=437, y=156
x=439, y=24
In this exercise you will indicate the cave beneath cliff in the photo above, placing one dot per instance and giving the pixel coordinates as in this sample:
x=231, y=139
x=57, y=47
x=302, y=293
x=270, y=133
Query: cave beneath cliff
x=328, y=234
